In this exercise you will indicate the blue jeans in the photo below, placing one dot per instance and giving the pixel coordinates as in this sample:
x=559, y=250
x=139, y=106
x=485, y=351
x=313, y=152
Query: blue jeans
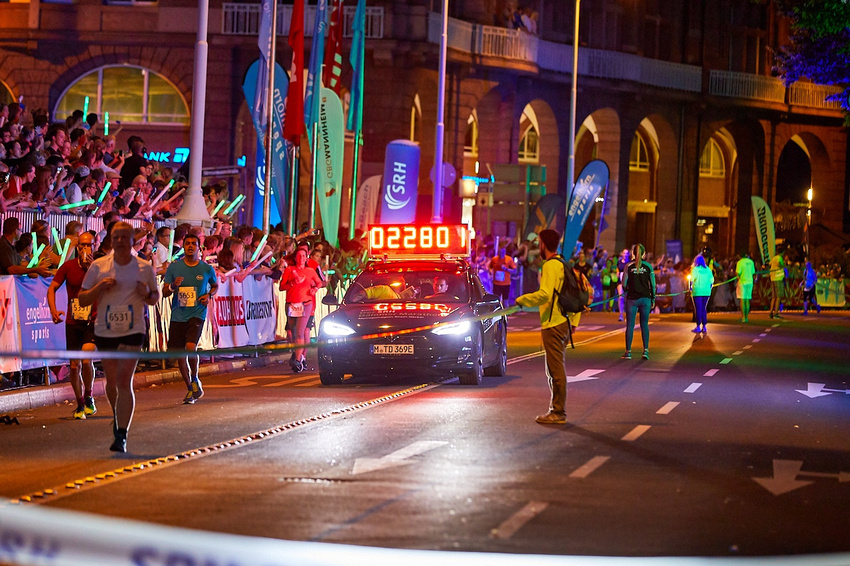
x=701, y=310
x=644, y=305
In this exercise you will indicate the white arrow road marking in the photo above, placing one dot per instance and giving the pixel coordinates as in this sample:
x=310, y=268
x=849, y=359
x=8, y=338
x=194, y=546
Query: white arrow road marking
x=665, y=410
x=518, y=520
x=589, y=467
x=636, y=432
x=693, y=387
x=584, y=376
x=820, y=390
x=397, y=458
x=785, y=474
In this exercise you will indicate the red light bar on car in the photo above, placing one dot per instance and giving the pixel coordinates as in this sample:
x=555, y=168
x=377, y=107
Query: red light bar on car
x=410, y=240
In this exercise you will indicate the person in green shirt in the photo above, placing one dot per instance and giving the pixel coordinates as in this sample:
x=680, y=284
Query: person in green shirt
x=746, y=270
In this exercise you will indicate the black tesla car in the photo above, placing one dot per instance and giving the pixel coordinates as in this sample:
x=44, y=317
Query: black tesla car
x=424, y=318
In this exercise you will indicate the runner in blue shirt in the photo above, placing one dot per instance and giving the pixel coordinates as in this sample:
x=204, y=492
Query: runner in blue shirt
x=193, y=283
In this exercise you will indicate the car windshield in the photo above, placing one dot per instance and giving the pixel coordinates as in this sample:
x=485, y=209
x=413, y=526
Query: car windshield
x=427, y=286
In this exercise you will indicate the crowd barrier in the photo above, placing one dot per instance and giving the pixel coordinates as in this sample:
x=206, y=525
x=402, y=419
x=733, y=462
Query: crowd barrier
x=247, y=313
x=59, y=221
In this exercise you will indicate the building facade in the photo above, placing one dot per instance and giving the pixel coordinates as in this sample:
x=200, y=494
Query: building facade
x=678, y=98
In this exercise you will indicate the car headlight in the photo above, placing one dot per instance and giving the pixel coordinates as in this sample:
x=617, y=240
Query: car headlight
x=334, y=329
x=454, y=329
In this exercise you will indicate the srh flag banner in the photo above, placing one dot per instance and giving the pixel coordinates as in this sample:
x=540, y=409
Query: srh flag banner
x=401, y=182
x=294, y=124
x=765, y=231
x=314, y=73
x=591, y=181
x=279, y=149
x=264, y=42
x=333, y=50
x=355, y=108
x=260, y=191
x=331, y=146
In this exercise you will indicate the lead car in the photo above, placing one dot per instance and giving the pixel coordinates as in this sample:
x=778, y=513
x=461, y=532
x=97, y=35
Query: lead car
x=423, y=318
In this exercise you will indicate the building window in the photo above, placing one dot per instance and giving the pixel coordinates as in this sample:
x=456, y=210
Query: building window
x=132, y=95
x=712, y=164
x=415, y=119
x=639, y=155
x=470, y=142
x=529, y=146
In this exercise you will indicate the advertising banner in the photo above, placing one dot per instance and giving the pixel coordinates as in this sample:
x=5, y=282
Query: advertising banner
x=765, y=232
x=230, y=314
x=9, y=329
x=366, y=209
x=331, y=147
x=259, y=310
x=548, y=213
x=37, y=329
x=591, y=181
x=401, y=183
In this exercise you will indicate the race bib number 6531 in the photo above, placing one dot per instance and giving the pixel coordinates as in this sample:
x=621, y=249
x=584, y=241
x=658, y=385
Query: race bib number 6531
x=119, y=319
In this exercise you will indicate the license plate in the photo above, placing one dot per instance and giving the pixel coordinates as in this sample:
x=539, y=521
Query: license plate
x=392, y=349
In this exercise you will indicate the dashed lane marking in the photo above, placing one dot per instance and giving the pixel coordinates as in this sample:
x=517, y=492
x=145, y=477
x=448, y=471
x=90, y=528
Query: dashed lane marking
x=636, y=433
x=725, y=361
x=755, y=340
x=748, y=346
x=710, y=372
x=667, y=408
x=693, y=387
x=763, y=334
x=738, y=353
x=518, y=520
x=589, y=467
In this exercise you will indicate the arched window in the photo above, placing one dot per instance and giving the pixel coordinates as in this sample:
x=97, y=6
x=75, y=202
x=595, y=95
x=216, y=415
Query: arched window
x=415, y=119
x=6, y=95
x=529, y=148
x=470, y=142
x=712, y=164
x=133, y=95
x=639, y=155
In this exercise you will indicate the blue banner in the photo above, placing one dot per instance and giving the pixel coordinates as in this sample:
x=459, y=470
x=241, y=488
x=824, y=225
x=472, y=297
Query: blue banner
x=280, y=167
x=591, y=181
x=37, y=329
x=401, y=182
x=547, y=214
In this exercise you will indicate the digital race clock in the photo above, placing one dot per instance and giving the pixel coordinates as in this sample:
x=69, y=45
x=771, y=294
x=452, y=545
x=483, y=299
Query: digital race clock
x=408, y=240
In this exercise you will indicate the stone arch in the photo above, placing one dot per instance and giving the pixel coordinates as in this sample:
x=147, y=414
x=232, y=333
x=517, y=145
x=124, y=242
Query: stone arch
x=665, y=180
x=549, y=141
x=6, y=94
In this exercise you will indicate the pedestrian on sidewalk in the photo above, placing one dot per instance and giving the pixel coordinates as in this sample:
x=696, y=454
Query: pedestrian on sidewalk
x=639, y=291
x=702, y=280
x=554, y=326
x=193, y=283
x=809, y=284
x=745, y=270
x=79, y=325
x=123, y=286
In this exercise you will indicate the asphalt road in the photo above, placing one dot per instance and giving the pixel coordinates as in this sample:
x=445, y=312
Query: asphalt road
x=733, y=443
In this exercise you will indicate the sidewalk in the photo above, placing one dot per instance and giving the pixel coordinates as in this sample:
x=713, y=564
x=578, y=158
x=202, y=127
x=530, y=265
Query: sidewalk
x=16, y=400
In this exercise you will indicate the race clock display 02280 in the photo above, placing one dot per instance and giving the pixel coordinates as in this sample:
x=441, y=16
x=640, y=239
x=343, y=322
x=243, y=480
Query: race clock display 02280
x=407, y=239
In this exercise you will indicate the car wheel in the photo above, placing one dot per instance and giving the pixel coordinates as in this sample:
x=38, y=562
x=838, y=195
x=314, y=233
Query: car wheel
x=500, y=368
x=330, y=377
x=475, y=376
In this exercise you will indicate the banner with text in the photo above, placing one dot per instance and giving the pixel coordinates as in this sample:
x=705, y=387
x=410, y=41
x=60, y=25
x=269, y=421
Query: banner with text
x=9, y=341
x=765, y=232
x=37, y=329
x=245, y=312
x=401, y=183
x=590, y=183
x=331, y=148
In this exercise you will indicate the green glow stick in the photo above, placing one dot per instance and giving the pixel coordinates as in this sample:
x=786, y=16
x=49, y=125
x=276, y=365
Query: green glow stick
x=171, y=246
x=103, y=192
x=218, y=207
x=64, y=253
x=170, y=184
x=106, y=123
x=86, y=202
x=178, y=254
x=229, y=210
x=56, y=239
x=86, y=108
x=37, y=249
x=259, y=247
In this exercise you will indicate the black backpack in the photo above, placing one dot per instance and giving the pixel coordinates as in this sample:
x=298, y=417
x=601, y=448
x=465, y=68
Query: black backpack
x=573, y=296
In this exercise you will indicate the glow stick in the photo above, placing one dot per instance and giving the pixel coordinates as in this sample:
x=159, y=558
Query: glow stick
x=158, y=196
x=259, y=247
x=37, y=249
x=170, y=184
x=229, y=273
x=57, y=239
x=178, y=254
x=86, y=108
x=86, y=202
x=229, y=210
x=218, y=207
x=103, y=193
x=252, y=266
x=106, y=123
x=64, y=253
x=170, y=245
x=177, y=194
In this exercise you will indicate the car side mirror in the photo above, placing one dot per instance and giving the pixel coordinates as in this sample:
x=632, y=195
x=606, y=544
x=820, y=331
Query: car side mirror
x=490, y=297
x=330, y=300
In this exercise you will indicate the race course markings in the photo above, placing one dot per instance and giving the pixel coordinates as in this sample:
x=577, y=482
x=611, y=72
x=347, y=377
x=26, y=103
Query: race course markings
x=636, y=433
x=518, y=520
x=589, y=467
x=710, y=372
x=693, y=387
x=667, y=408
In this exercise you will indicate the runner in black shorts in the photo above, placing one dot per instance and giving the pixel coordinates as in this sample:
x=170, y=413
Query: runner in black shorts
x=79, y=325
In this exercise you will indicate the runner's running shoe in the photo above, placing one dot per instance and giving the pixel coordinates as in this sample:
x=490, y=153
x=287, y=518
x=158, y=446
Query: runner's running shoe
x=80, y=413
x=197, y=390
x=90, y=408
x=189, y=399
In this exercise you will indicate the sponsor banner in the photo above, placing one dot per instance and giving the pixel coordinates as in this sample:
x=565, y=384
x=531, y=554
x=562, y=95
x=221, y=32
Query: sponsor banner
x=366, y=209
x=230, y=314
x=765, y=232
x=401, y=183
x=260, y=310
x=9, y=341
x=548, y=213
x=591, y=181
x=331, y=148
x=37, y=329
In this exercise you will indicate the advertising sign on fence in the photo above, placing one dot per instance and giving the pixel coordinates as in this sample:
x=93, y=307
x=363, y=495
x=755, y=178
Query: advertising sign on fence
x=37, y=329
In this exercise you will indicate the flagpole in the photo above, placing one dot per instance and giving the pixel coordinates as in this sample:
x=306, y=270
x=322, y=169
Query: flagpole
x=571, y=163
x=267, y=193
x=314, y=175
x=358, y=139
x=293, y=189
x=437, y=212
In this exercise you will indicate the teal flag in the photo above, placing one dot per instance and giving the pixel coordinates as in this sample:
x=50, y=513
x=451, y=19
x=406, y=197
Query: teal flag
x=358, y=47
x=330, y=146
x=314, y=71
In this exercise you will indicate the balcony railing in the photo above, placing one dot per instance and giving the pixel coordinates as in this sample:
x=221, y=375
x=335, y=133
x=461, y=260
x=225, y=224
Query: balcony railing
x=746, y=85
x=244, y=19
x=812, y=96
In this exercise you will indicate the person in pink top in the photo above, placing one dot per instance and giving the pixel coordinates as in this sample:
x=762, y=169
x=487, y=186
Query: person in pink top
x=300, y=282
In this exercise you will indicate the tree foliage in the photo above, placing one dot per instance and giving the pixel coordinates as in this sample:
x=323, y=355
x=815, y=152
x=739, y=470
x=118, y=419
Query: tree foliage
x=819, y=49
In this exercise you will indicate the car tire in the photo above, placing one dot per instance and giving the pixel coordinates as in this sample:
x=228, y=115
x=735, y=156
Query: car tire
x=475, y=376
x=330, y=377
x=500, y=368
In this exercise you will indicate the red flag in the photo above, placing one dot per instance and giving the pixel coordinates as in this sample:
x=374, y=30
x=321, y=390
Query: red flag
x=333, y=51
x=293, y=125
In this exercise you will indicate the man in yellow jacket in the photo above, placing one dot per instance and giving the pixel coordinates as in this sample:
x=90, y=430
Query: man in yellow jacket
x=555, y=326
